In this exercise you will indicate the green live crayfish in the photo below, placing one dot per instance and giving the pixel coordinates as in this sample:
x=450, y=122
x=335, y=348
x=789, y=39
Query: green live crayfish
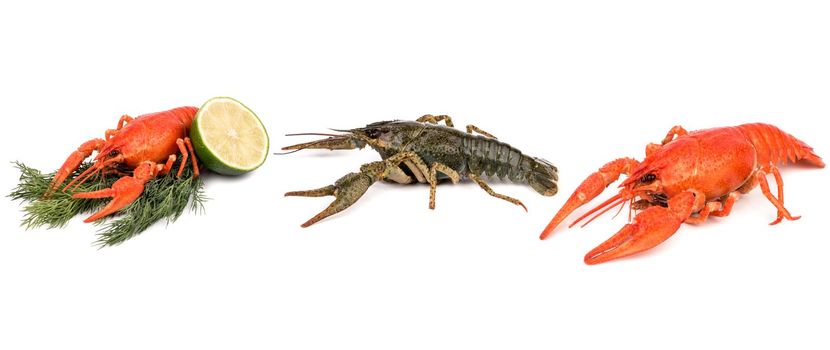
x=423, y=151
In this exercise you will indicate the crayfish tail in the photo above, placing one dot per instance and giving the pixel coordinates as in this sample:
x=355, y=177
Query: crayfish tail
x=775, y=146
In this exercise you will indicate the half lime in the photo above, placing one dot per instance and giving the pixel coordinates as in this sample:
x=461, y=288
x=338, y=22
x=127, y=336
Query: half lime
x=228, y=137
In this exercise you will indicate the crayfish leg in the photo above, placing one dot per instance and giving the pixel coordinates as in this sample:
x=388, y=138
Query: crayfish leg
x=433, y=179
x=783, y=213
x=715, y=208
x=676, y=130
x=472, y=128
x=490, y=191
x=435, y=119
x=186, y=149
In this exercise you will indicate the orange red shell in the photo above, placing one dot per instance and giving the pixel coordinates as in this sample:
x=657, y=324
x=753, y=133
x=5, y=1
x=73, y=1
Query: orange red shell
x=150, y=136
x=720, y=160
x=687, y=179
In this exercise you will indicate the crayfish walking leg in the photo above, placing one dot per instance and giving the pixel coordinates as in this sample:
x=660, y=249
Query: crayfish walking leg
x=433, y=179
x=490, y=191
x=777, y=202
x=435, y=119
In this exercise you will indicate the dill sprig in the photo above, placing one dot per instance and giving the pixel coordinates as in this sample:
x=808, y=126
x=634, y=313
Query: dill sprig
x=60, y=207
x=164, y=197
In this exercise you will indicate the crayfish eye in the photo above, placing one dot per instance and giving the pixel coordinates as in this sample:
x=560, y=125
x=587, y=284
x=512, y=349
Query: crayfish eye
x=648, y=178
x=113, y=153
x=373, y=133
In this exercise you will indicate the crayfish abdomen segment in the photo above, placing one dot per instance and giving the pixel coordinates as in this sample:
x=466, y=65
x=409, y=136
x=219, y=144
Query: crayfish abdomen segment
x=776, y=146
x=487, y=156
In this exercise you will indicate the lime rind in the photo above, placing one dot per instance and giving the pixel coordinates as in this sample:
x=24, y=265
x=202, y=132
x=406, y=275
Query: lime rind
x=220, y=152
x=228, y=125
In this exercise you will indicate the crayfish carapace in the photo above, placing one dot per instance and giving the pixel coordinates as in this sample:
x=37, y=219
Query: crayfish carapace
x=424, y=152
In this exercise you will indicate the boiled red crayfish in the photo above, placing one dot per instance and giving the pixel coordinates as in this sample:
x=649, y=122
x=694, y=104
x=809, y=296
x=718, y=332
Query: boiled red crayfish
x=147, y=144
x=686, y=178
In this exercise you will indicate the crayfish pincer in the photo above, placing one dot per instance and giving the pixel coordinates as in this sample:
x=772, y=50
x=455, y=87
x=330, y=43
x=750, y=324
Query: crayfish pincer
x=687, y=178
x=424, y=152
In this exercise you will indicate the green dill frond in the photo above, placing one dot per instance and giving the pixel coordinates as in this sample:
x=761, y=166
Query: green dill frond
x=60, y=207
x=165, y=197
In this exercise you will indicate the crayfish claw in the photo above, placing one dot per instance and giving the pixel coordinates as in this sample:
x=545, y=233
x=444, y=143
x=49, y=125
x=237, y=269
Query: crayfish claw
x=589, y=189
x=123, y=192
x=347, y=190
x=648, y=229
x=72, y=163
x=320, y=192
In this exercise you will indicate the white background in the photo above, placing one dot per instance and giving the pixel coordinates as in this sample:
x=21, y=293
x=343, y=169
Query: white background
x=577, y=83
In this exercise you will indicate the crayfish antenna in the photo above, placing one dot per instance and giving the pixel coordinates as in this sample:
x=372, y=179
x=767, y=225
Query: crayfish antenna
x=605, y=206
x=82, y=177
